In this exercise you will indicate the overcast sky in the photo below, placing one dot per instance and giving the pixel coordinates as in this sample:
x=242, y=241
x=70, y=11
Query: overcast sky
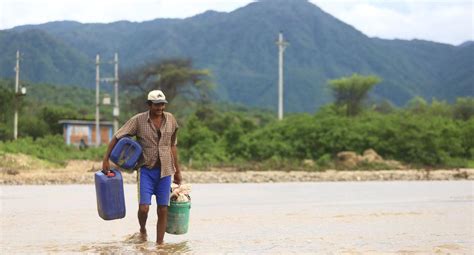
x=447, y=21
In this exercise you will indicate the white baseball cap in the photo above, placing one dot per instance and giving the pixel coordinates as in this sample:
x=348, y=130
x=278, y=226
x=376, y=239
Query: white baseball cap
x=157, y=96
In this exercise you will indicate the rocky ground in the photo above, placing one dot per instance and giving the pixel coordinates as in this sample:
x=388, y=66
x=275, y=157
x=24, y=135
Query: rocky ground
x=82, y=172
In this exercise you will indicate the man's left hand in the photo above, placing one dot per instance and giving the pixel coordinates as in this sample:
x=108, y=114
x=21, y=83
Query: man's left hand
x=177, y=178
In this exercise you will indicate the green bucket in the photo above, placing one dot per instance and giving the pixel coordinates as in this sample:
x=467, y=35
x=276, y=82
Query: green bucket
x=178, y=218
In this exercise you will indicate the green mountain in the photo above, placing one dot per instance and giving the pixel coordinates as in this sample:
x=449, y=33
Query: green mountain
x=239, y=47
x=44, y=58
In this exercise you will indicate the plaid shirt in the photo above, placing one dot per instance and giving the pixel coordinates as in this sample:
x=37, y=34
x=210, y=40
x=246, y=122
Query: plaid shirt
x=154, y=147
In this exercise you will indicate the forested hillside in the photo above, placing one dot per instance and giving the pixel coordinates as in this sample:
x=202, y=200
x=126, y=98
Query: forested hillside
x=239, y=48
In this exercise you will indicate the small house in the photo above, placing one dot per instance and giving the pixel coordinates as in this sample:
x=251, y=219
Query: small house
x=83, y=132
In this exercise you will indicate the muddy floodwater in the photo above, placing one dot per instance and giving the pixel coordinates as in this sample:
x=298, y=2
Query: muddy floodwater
x=340, y=217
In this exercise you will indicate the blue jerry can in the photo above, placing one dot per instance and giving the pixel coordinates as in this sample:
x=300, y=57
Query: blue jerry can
x=110, y=195
x=126, y=153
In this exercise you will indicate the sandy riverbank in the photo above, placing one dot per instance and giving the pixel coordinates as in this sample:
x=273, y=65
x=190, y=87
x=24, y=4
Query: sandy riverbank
x=82, y=172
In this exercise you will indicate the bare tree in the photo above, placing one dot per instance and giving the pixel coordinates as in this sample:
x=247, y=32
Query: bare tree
x=173, y=76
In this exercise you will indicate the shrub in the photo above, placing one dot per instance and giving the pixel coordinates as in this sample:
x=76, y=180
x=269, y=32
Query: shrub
x=51, y=148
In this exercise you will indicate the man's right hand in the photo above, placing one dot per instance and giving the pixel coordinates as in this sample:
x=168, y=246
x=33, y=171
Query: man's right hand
x=105, y=166
x=105, y=162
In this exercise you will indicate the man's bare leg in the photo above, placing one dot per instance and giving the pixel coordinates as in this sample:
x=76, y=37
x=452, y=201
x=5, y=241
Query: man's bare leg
x=142, y=217
x=161, y=225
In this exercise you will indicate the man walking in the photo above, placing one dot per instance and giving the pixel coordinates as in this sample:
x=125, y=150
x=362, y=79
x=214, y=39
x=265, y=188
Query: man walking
x=155, y=131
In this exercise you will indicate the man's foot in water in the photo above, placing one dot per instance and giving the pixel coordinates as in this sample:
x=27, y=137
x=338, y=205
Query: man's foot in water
x=143, y=235
x=137, y=238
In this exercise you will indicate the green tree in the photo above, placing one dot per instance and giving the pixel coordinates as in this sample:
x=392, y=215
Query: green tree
x=53, y=114
x=440, y=108
x=200, y=144
x=464, y=108
x=350, y=92
x=32, y=126
x=173, y=76
x=384, y=106
x=6, y=113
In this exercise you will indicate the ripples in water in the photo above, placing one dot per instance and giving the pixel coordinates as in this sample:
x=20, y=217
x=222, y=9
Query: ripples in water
x=134, y=243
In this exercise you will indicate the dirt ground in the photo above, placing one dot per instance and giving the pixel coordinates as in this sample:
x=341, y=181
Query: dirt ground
x=28, y=171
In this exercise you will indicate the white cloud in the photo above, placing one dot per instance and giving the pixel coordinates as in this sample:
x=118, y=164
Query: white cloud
x=441, y=21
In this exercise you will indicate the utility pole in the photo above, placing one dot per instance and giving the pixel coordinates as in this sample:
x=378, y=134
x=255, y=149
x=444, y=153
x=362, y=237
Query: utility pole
x=281, y=48
x=115, y=80
x=17, y=81
x=97, y=100
x=116, y=110
x=19, y=91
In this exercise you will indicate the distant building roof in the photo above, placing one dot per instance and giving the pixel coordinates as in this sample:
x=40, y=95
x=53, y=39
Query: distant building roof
x=85, y=122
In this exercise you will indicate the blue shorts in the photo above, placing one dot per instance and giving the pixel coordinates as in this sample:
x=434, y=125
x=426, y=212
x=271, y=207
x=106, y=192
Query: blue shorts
x=150, y=183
